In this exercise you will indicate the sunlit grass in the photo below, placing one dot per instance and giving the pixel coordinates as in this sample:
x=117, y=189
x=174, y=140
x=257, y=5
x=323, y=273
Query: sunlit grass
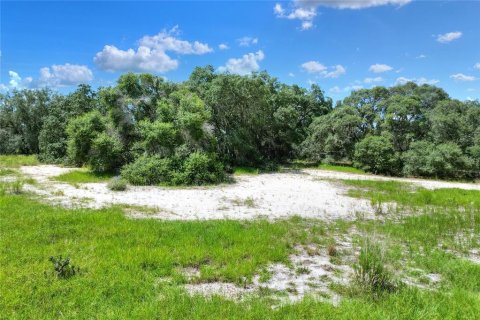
x=347, y=169
x=15, y=161
x=83, y=176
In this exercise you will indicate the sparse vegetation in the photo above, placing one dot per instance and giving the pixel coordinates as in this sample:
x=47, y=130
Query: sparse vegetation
x=83, y=176
x=117, y=184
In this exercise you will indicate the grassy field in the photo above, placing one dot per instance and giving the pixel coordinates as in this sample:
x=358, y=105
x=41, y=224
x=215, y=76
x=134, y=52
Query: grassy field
x=122, y=260
x=15, y=161
x=83, y=176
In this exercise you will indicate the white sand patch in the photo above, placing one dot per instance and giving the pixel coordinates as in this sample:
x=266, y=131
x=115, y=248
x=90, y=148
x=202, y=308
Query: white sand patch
x=273, y=196
x=309, y=275
x=278, y=195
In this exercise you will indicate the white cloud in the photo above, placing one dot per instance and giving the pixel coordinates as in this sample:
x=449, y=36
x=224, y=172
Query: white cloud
x=303, y=13
x=327, y=72
x=338, y=90
x=420, y=81
x=64, y=75
x=477, y=66
x=462, y=77
x=448, y=37
x=223, y=46
x=306, y=10
x=291, y=74
x=16, y=82
x=337, y=72
x=247, y=41
x=373, y=80
x=354, y=4
x=313, y=67
x=151, y=54
x=422, y=56
x=379, y=68
x=244, y=65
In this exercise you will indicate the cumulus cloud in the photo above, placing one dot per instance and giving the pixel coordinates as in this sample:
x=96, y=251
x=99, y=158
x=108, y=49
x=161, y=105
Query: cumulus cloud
x=448, y=37
x=223, y=46
x=379, y=68
x=306, y=10
x=316, y=67
x=462, y=77
x=313, y=67
x=338, y=90
x=420, y=81
x=151, y=54
x=16, y=82
x=477, y=66
x=244, y=65
x=64, y=75
x=373, y=80
x=247, y=41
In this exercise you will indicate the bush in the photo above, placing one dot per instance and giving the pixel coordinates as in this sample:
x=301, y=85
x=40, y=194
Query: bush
x=441, y=161
x=63, y=268
x=371, y=272
x=117, y=184
x=198, y=169
x=105, y=153
x=81, y=132
x=148, y=170
x=376, y=154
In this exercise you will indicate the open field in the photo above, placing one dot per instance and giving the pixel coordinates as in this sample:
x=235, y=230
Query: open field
x=312, y=263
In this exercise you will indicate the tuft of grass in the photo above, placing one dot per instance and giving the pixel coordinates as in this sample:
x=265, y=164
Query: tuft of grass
x=11, y=187
x=371, y=272
x=238, y=171
x=83, y=176
x=338, y=168
x=7, y=172
x=117, y=184
x=15, y=161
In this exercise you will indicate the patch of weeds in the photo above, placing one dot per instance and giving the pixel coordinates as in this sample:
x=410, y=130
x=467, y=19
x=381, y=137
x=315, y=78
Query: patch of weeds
x=16, y=161
x=248, y=202
x=302, y=270
x=347, y=169
x=63, y=268
x=11, y=187
x=7, y=172
x=371, y=272
x=83, y=176
x=264, y=275
x=238, y=171
x=117, y=184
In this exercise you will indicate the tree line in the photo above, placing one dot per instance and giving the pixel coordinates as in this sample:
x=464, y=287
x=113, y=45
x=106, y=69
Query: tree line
x=157, y=132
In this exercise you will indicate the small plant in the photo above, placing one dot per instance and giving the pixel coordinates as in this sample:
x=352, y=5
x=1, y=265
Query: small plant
x=117, y=184
x=371, y=272
x=63, y=269
x=332, y=251
x=11, y=187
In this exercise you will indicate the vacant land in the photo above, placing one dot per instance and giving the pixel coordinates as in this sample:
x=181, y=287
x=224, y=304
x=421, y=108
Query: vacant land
x=312, y=244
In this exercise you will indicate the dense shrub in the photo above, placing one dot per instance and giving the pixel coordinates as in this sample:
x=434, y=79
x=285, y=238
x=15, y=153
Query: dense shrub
x=376, y=154
x=440, y=161
x=148, y=170
x=200, y=169
x=105, y=153
x=81, y=133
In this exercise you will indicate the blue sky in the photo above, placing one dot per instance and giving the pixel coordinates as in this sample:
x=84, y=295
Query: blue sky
x=341, y=45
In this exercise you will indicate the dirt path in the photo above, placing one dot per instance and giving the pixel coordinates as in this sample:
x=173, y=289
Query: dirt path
x=277, y=195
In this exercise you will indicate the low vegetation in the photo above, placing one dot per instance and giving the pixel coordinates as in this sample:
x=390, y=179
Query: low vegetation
x=124, y=263
x=83, y=176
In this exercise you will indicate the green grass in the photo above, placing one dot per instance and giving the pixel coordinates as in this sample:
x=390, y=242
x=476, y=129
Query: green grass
x=340, y=168
x=7, y=172
x=83, y=176
x=406, y=194
x=121, y=261
x=15, y=161
x=245, y=171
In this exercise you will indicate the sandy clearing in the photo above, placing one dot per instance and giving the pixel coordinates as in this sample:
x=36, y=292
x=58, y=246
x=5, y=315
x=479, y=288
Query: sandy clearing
x=272, y=196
